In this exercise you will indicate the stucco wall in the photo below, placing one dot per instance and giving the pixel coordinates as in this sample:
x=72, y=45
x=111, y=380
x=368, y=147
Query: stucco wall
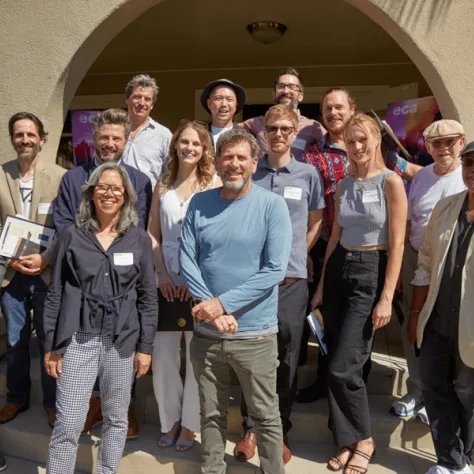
x=46, y=48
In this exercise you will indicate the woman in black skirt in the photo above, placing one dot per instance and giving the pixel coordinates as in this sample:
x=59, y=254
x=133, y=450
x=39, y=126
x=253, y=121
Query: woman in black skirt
x=190, y=169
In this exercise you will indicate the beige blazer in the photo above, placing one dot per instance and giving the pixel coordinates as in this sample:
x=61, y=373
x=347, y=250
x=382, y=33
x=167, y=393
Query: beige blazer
x=47, y=178
x=431, y=261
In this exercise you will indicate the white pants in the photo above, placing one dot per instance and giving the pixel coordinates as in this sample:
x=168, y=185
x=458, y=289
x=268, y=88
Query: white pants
x=175, y=401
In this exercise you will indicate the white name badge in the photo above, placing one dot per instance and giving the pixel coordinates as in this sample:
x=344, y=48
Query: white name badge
x=123, y=259
x=45, y=208
x=299, y=143
x=370, y=196
x=293, y=193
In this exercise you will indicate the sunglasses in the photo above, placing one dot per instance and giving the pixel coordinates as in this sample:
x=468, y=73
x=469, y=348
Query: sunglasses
x=194, y=302
x=285, y=131
x=467, y=161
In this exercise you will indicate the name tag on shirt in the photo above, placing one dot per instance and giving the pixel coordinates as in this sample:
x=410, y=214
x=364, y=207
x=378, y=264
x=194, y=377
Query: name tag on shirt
x=370, y=196
x=123, y=259
x=45, y=208
x=293, y=193
x=299, y=143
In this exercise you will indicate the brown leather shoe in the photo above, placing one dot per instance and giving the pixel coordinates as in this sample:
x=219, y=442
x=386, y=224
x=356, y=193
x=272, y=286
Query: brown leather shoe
x=51, y=412
x=94, y=415
x=245, y=448
x=9, y=411
x=132, y=432
x=286, y=454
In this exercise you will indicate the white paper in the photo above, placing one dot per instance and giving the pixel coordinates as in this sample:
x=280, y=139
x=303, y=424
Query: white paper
x=45, y=208
x=299, y=143
x=370, y=196
x=123, y=259
x=293, y=193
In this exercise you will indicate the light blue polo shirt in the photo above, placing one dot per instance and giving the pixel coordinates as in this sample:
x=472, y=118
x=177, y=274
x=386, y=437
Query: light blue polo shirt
x=301, y=185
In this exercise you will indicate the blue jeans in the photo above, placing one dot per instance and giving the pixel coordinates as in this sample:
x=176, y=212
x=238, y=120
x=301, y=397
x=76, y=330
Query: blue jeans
x=23, y=294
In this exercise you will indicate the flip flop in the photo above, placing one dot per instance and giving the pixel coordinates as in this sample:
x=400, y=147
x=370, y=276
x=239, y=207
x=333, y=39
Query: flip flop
x=185, y=444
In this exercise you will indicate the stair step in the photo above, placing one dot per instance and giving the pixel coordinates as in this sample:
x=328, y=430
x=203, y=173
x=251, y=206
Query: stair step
x=27, y=439
x=21, y=466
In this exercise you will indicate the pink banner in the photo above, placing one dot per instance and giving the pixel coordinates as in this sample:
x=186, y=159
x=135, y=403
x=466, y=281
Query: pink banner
x=82, y=135
x=408, y=120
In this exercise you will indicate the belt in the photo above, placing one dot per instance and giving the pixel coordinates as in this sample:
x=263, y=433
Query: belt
x=287, y=281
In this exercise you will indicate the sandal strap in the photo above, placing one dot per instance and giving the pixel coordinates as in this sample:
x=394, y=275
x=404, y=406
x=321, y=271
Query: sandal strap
x=359, y=469
x=341, y=466
x=363, y=455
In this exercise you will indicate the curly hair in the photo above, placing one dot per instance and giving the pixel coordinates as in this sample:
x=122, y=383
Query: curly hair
x=205, y=166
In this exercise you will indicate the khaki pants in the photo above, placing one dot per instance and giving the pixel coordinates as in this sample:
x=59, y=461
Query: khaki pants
x=255, y=362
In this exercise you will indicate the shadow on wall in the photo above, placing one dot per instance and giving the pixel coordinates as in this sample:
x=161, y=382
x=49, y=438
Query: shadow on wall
x=407, y=12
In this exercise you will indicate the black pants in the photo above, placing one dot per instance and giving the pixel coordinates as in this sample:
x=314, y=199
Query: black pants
x=352, y=286
x=448, y=393
x=292, y=300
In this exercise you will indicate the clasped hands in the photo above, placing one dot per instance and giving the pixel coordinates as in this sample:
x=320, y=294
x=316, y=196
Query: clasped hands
x=211, y=311
x=32, y=264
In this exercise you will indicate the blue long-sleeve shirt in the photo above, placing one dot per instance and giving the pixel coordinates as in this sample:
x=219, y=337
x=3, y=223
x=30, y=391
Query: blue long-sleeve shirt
x=237, y=250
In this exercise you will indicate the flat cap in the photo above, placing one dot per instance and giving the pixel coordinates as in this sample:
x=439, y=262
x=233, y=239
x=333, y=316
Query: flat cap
x=443, y=129
x=239, y=93
x=467, y=149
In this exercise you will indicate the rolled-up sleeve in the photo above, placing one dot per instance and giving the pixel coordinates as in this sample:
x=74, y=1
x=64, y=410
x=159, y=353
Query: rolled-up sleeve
x=147, y=299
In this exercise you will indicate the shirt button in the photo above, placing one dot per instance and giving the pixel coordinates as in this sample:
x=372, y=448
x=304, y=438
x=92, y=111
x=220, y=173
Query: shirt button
x=349, y=254
x=106, y=274
x=180, y=221
x=179, y=239
x=181, y=204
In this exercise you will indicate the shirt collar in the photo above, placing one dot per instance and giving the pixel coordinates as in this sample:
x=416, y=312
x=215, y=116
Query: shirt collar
x=326, y=143
x=291, y=166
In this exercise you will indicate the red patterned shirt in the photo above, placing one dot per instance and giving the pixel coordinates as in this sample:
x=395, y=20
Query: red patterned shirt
x=332, y=162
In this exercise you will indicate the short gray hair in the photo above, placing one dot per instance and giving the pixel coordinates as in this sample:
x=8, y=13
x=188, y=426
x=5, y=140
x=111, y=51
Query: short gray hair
x=87, y=221
x=235, y=136
x=143, y=80
x=111, y=117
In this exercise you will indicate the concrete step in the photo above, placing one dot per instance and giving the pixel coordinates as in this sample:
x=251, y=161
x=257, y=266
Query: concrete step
x=21, y=466
x=27, y=438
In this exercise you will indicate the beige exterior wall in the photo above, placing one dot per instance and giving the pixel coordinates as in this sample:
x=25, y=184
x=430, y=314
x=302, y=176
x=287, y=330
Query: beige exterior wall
x=42, y=73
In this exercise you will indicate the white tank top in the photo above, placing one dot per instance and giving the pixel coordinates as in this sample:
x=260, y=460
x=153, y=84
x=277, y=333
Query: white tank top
x=172, y=214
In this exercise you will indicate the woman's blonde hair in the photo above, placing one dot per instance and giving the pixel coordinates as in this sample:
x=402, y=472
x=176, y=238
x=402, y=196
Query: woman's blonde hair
x=372, y=130
x=205, y=166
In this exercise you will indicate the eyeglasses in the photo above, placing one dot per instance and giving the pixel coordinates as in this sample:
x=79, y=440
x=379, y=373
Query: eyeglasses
x=281, y=86
x=194, y=302
x=467, y=161
x=449, y=142
x=285, y=130
x=104, y=188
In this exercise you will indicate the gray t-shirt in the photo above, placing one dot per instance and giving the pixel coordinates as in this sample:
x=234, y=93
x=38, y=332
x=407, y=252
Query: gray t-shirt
x=301, y=186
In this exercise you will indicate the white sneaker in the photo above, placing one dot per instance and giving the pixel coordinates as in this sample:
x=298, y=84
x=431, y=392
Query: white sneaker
x=443, y=470
x=422, y=416
x=406, y=406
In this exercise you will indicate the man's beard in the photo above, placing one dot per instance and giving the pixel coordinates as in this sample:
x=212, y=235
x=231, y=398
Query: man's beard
x=292, y=105
x=235, y=186
x=100, y=156
x=30, y=155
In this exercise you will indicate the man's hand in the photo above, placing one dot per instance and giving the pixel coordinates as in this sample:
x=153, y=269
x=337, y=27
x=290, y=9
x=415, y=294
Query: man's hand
x=23, y=267
x=226, y=324
x=208, y=310
x=142, y=363
x=35, y=261
x=53, y=363
x=411, y=327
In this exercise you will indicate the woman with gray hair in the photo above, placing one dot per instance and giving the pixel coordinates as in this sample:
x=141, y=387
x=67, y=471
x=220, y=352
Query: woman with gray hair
x=100, y=317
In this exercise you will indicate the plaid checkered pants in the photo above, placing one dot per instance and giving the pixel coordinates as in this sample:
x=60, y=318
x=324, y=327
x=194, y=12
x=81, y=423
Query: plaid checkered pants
x=87, y=357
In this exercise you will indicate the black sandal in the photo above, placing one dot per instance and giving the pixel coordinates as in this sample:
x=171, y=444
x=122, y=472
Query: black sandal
x=338, y=461
x=360, y=469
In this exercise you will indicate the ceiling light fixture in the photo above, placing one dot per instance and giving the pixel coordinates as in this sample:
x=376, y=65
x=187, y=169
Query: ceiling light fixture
x=266, y=32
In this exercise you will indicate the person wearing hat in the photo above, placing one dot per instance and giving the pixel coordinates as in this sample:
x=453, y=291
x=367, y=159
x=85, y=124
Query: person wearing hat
x=444, y=141
x=441, y=323
x=222, y=99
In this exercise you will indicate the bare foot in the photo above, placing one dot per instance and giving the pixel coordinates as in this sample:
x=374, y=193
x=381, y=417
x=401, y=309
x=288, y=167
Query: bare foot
x=363, y=453
x=171, y=435
x=342, y=456
x=185, y=435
